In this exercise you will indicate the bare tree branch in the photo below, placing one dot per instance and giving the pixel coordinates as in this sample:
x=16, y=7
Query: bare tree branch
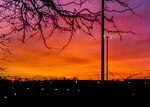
x=31, y=17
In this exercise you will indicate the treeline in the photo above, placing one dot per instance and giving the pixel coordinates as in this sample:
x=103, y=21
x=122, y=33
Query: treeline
x=37, y=78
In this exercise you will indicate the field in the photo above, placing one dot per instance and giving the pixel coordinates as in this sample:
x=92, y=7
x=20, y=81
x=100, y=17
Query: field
x=13, y=92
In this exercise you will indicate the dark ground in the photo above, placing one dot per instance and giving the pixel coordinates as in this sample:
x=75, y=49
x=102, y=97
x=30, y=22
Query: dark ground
x=76, y=92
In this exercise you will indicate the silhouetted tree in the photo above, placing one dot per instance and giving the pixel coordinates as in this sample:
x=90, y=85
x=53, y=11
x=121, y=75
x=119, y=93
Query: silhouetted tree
x=4, y=52
x=31, y=17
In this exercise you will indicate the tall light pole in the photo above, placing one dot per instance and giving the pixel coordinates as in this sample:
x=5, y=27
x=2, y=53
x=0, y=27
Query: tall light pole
x=102, y=43
x=107, y=37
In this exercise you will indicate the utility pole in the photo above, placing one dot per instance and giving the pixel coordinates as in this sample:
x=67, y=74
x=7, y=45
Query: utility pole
x=102, y=43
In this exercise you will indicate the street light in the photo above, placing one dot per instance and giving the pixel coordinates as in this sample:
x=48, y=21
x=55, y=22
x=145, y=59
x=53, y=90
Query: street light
x=107, y=37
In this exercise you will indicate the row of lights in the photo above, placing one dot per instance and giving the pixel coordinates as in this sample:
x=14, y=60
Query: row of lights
x=42, y=89
x=5, y=97
x=130, y=82
x=77, y=82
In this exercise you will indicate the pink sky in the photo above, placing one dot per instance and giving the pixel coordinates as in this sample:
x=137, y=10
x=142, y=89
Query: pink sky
x=82, y=57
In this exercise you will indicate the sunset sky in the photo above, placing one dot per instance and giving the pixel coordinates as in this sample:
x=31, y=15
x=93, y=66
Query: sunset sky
x=82, y=57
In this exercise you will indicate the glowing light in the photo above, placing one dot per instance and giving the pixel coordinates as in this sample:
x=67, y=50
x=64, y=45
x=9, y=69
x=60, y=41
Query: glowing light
x=42, y=89
x=56, y=89
x=5, y=97
x=78, y=90
x=15, y=94
x=12, y=88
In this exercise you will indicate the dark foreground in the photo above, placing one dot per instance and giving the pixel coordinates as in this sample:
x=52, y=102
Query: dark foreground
x=71, y=91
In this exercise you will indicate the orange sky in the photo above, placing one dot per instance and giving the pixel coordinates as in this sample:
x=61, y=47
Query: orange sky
x=82, y=57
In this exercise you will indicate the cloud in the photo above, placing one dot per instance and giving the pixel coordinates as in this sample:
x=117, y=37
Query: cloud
x=76, y=60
